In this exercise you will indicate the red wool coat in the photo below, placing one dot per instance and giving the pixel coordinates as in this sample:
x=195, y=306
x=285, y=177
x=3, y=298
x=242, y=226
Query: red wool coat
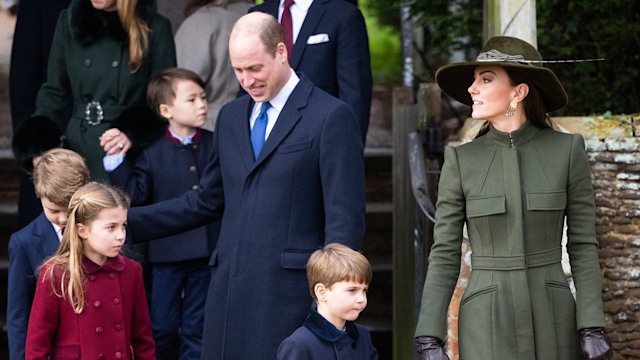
x=114, y=323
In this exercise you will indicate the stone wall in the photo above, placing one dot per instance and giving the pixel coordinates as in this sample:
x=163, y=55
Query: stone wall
x=612, y=144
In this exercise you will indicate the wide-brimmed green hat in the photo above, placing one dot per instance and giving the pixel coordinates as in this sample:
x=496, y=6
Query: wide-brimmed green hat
x=509, y=52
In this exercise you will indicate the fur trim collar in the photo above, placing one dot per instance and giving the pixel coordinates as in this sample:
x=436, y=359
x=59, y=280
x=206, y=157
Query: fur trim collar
x=88, y=24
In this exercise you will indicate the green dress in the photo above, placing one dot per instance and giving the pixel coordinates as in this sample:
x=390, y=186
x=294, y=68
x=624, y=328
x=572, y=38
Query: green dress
x=514, y=192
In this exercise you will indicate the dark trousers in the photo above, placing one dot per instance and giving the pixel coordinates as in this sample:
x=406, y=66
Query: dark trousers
x=178, y=294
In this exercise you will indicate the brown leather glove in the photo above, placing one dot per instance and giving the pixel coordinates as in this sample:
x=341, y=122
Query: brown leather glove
x=430, y=348
x=595, y=344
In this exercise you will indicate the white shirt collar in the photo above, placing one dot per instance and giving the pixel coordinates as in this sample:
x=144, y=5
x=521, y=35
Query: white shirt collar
x=184, y=141
x=58, y=231
x=280, y=100
x=302, y=4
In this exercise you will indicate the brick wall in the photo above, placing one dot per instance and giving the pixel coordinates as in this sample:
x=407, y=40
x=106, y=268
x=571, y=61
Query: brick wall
x=613, y=146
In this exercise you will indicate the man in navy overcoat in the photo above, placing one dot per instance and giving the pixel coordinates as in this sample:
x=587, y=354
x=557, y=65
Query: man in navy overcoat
x=304, y=189
x=332, y=49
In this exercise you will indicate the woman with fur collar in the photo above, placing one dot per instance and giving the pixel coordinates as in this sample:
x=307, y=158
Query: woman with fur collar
x=103, y=53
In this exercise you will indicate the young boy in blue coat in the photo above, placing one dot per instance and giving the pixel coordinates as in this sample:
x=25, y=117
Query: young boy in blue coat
x=168, y=168
x=339, y=278
x=56, y=177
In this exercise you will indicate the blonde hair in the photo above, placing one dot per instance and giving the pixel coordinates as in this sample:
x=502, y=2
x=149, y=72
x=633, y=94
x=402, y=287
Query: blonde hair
x=64, y=269
x=334, y=263
x=137, y=29
x=58, y=174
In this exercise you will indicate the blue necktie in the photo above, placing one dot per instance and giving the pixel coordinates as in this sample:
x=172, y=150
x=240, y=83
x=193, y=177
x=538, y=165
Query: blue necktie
x=259, y=130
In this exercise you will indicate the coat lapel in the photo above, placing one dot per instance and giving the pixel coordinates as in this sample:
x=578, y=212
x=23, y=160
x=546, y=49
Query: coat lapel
x=46, y=242
x=289, y=117
x=242, y=131
x=311, y=21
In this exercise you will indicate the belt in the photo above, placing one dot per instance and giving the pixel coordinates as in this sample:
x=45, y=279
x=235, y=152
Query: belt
x=516, y=262
x=95, y=113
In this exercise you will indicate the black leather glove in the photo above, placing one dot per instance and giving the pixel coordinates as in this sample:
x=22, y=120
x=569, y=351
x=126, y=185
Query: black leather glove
x=595, y=344
x=430, y=348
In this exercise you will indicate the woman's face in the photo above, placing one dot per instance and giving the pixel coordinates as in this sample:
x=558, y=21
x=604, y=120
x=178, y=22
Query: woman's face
x=106, y=5
x=491, y=92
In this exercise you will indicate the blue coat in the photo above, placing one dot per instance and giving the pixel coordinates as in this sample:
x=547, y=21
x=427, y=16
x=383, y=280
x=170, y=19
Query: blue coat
x=165, y=170
x=28, y=248
x=305, y=189
x=340, y=66
x=318, y=339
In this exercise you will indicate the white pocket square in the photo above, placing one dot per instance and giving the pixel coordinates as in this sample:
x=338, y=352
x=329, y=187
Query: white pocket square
x=317, y=39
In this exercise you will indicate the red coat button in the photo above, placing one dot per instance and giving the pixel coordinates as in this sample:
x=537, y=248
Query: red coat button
x=92, y=277
x=118, y=327
x=112, y=276
x=118, y=355
x=116, y=301
x=101, y=357
x=96, y=304
x=99, y=330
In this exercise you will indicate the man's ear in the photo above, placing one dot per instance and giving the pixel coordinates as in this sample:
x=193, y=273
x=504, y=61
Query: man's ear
x=320, y=290
x=281, y=52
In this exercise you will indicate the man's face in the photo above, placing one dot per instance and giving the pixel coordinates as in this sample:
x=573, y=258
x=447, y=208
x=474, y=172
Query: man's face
x=260, y=74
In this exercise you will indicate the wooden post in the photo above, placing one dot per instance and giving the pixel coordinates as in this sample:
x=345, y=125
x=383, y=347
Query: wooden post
x=404, y=207
x=515, y=18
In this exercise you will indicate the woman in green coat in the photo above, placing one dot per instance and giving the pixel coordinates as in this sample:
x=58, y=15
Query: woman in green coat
x=514, y=186
x=102, y=55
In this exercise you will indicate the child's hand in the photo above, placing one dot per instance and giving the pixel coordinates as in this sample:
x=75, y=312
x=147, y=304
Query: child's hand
x=113, y=141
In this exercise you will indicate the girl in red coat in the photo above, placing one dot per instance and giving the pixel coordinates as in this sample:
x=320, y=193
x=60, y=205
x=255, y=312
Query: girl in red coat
x=90, y=301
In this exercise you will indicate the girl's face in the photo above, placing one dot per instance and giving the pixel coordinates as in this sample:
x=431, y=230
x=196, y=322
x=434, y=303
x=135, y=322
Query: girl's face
x=104, y=237
x=491, y=93
x=106, y=5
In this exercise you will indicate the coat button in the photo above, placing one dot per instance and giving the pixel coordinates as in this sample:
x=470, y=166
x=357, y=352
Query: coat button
x=195, y=147
x=192, y=168
x=116, y=301
x=92, y=277
x=96, y=304
x=99, y=330
x=101, y=357
x=195, y=187
x=118, y=355
x=112, y=276
x=87, y=62
x=118, y=327
x=114, y=63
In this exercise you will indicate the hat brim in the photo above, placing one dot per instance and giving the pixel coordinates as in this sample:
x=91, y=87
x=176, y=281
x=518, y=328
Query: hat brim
x=455, y=79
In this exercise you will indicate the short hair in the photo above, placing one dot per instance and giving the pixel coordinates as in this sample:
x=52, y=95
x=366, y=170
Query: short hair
x=264, y=26
x=162, y=86
x=334, y=263
x=58, y=175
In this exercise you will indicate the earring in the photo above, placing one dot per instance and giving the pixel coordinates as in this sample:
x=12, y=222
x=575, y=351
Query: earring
x=511, y=110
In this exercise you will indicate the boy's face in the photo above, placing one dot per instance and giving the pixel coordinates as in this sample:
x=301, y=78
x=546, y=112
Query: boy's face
x=343, y=301
x=189, y=108
x=56, y=214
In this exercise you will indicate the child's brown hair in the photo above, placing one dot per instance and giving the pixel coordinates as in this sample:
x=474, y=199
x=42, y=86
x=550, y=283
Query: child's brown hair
x=161, y=88
x=334, y=263
x=58, y=174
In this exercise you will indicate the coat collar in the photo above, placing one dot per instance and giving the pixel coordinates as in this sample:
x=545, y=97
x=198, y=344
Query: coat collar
x=115, y=264
x=88, y=24
x=519, y=137
x=325, y=330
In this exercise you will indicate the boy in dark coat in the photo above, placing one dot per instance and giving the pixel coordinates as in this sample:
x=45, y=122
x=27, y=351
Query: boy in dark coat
x=168, y=168
x=56, y=177
x=339, y=278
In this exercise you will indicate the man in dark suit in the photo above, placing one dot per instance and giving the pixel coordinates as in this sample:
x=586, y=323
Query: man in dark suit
x=302, y=189
x=331, y=47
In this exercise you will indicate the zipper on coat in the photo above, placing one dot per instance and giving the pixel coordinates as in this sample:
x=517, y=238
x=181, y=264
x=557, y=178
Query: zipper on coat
x=511, y=140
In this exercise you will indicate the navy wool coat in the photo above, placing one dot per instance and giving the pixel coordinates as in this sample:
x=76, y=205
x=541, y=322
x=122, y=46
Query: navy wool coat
x=305, y=189
x=165, y=170
x=28, y=248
